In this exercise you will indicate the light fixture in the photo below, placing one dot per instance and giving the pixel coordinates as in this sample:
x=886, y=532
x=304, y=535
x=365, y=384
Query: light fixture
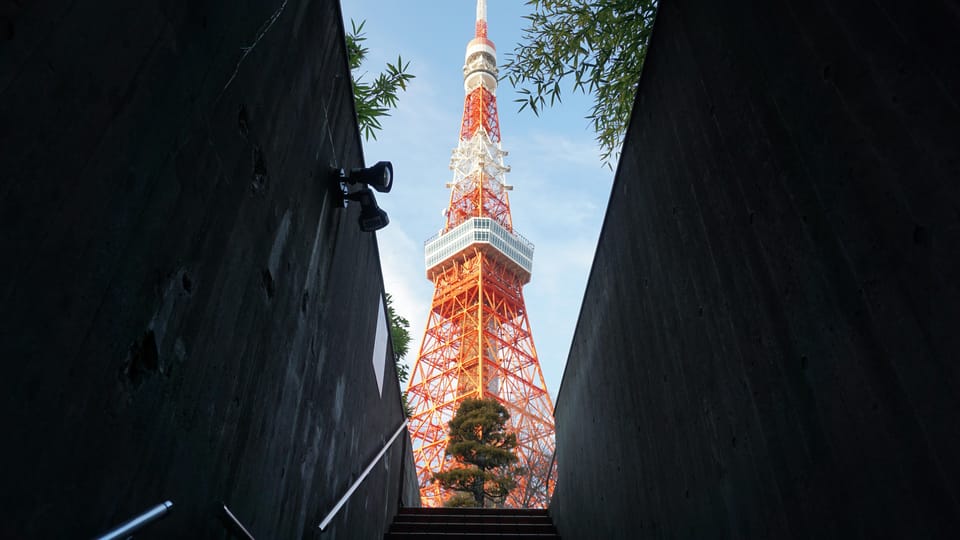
x=372, y=217
x=378, y=177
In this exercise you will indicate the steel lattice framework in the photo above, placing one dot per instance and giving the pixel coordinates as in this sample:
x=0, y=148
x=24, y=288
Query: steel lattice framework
x=477, y=341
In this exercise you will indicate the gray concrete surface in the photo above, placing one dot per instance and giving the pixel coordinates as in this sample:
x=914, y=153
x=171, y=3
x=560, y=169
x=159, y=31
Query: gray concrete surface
x=185, y=315
x=769, y=345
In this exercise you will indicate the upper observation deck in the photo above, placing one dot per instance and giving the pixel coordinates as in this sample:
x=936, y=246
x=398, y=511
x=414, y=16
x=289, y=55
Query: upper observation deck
x=487, y=235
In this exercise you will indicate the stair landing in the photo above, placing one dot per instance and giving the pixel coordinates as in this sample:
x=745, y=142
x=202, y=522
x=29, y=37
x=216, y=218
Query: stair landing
x=472, y=523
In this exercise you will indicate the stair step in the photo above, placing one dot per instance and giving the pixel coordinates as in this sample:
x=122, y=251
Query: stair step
x=472, y=523
x=457, y=526
x=474, y=536
x=472, y=518
x=474, y=511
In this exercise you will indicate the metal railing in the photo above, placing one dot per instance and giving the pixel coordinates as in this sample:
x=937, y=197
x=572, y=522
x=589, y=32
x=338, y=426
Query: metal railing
x=235, y=525
x=553, y=461
x=353, y=487
x=127, y=528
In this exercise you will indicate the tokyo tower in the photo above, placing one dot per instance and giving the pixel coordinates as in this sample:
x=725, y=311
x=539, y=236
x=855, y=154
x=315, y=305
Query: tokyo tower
x=477, y=342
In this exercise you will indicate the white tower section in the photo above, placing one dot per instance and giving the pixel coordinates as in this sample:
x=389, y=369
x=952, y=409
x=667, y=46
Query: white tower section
x=480, y=61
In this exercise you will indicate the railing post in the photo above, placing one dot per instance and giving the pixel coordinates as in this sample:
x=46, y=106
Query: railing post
x=138, y=522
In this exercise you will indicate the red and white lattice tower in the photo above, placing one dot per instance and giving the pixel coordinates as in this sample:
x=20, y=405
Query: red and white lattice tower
x=477, y=342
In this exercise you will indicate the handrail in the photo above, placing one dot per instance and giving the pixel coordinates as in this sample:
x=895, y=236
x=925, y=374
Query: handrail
x=553, y=460
x=353, y=487
x=237, y=526
x=138, y=522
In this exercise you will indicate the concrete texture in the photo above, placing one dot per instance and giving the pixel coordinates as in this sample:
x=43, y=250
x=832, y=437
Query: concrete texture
x=769, y=345
x=185, y=314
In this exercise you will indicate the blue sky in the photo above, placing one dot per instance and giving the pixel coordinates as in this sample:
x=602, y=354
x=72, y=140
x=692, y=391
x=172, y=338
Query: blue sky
x=561, y=187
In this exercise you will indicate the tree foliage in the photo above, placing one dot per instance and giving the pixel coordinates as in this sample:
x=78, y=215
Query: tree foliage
x=482, y=452
x=373, y=99
x=400, y=338
x=538, y=476
x=399, y=335
x=460, y=499
x=597, y=47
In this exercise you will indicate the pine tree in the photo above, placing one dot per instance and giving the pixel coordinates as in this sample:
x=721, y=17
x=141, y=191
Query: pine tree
x=482, y=453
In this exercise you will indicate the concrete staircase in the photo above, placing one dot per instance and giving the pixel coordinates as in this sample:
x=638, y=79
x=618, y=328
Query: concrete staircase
x=473, y=523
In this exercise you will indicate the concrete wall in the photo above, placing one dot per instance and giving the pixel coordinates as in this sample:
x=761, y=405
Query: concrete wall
x=769, y=345
x=185, y=315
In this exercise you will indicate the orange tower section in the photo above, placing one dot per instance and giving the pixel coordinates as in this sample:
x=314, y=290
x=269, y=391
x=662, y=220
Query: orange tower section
x=477, y=341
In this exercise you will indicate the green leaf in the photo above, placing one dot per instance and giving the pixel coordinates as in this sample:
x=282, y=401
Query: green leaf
x=399, y=338
x=373, y=100
x=597, y=47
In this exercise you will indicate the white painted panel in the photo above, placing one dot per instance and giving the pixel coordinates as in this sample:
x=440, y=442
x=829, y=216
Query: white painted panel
x=380, y=347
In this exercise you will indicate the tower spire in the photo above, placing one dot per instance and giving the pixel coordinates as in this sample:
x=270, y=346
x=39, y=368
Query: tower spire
x=480, y=82
x=481, y=19
x=478, y=342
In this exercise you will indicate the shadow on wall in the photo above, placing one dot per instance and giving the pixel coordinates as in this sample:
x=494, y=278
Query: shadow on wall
x=182, y=315
x=772, y=311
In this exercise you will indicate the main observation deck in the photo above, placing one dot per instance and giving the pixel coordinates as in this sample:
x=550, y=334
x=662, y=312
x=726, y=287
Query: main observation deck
x=509, y=248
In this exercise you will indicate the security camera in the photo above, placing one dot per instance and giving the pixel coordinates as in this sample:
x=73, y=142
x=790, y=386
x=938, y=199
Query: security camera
x=379, y=176
x=372, y=217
